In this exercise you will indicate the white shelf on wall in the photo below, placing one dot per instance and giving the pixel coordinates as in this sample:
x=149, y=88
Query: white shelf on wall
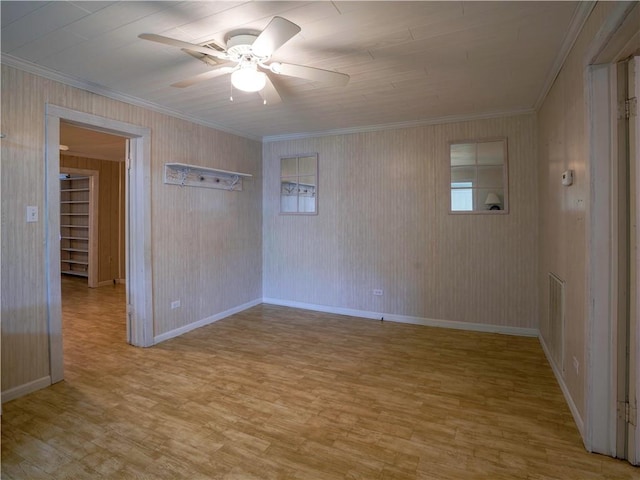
x=194, y=176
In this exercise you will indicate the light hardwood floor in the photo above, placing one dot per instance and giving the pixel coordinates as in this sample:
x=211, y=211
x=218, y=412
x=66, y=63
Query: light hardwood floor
x=278, y=393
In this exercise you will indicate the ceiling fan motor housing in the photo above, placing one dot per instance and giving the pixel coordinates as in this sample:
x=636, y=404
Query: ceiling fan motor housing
x=239, y=48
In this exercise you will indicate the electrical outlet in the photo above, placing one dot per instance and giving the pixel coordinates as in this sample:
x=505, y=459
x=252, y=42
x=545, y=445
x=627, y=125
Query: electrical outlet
x=175, y=304
x=377, y=292
x=576, y=365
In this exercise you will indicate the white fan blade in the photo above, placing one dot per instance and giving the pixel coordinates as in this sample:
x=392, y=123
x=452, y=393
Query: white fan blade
x=269, y=93
x=310, y=73
x=185, y=45
x=277, y=33
x=216, y=72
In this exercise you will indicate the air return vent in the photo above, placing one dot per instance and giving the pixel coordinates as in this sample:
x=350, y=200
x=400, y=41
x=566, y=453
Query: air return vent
x=556, y=320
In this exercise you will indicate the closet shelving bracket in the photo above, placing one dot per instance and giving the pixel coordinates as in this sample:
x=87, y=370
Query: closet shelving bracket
x=195, y=176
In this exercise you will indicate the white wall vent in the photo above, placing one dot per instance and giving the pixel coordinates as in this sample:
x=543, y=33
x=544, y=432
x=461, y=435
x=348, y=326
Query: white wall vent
x=556, y=320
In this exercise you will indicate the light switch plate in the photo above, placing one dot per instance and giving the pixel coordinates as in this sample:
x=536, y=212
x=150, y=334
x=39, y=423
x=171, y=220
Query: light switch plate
x=31, y=214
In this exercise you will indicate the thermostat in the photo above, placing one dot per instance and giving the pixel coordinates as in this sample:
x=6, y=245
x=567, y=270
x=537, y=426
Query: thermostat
x=567, y=178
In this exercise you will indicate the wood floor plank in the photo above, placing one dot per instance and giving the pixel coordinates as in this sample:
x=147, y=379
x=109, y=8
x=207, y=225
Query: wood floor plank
x=275, y=393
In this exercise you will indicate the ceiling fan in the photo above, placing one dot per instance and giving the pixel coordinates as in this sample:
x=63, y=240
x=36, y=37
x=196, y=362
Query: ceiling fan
x=251, y=53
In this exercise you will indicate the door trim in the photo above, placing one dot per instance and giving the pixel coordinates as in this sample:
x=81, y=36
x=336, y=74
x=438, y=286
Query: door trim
x=601, y=372
x=601, y=325
x=139, y=277
x=634, y=305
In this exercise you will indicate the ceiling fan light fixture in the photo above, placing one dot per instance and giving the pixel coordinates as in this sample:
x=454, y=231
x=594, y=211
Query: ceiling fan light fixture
x=248, y=79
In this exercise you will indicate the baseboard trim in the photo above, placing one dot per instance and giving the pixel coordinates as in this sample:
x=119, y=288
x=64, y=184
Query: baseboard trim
x=106, y=283
x=205, y=321
x=428, y=322
x=25, y=388
x=565, y=390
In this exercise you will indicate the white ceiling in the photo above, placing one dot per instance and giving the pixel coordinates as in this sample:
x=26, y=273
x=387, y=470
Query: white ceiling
x=409, y=62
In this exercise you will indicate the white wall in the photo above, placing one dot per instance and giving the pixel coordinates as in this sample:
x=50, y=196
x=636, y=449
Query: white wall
x=383, y=223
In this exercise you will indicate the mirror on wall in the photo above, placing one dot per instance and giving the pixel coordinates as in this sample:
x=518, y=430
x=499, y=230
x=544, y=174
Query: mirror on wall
x=478, y=182
x=299, y=184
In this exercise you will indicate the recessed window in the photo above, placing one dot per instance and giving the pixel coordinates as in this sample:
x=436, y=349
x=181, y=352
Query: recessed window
x=299, y=184
x=478, y=181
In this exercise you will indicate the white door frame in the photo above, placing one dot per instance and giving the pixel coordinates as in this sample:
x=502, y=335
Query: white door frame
x=601, y=371
x=138, y=284
x=634, y=367
x=601, y=329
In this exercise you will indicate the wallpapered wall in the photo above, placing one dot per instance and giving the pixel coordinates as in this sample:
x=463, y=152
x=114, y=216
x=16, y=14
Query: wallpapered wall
x=206, y=244
x=563, y=235
x=383, y=223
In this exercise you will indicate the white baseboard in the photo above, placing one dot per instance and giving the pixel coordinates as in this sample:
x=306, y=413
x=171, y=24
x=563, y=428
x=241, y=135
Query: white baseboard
x=26, y=388
x=106, y=283
x=205, y=321
x=565, y=390
x=429, y=322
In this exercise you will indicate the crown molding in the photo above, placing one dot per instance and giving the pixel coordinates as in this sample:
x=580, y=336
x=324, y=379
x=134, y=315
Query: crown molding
x=400, y=125
x=580, y=16
x=47, y=73
x=29, y=67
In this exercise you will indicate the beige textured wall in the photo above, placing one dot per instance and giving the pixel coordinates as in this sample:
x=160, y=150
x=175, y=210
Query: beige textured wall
x=383, y=223
x=563, y=145
x=206, y=244
x=111, y=212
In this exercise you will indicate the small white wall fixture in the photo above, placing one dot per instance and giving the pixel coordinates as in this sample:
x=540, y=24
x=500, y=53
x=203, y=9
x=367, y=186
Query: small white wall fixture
x=139, y=293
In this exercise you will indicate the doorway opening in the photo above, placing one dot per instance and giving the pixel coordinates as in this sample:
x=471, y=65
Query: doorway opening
x=92, y=205
x=137, y=228
x=92, y=240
